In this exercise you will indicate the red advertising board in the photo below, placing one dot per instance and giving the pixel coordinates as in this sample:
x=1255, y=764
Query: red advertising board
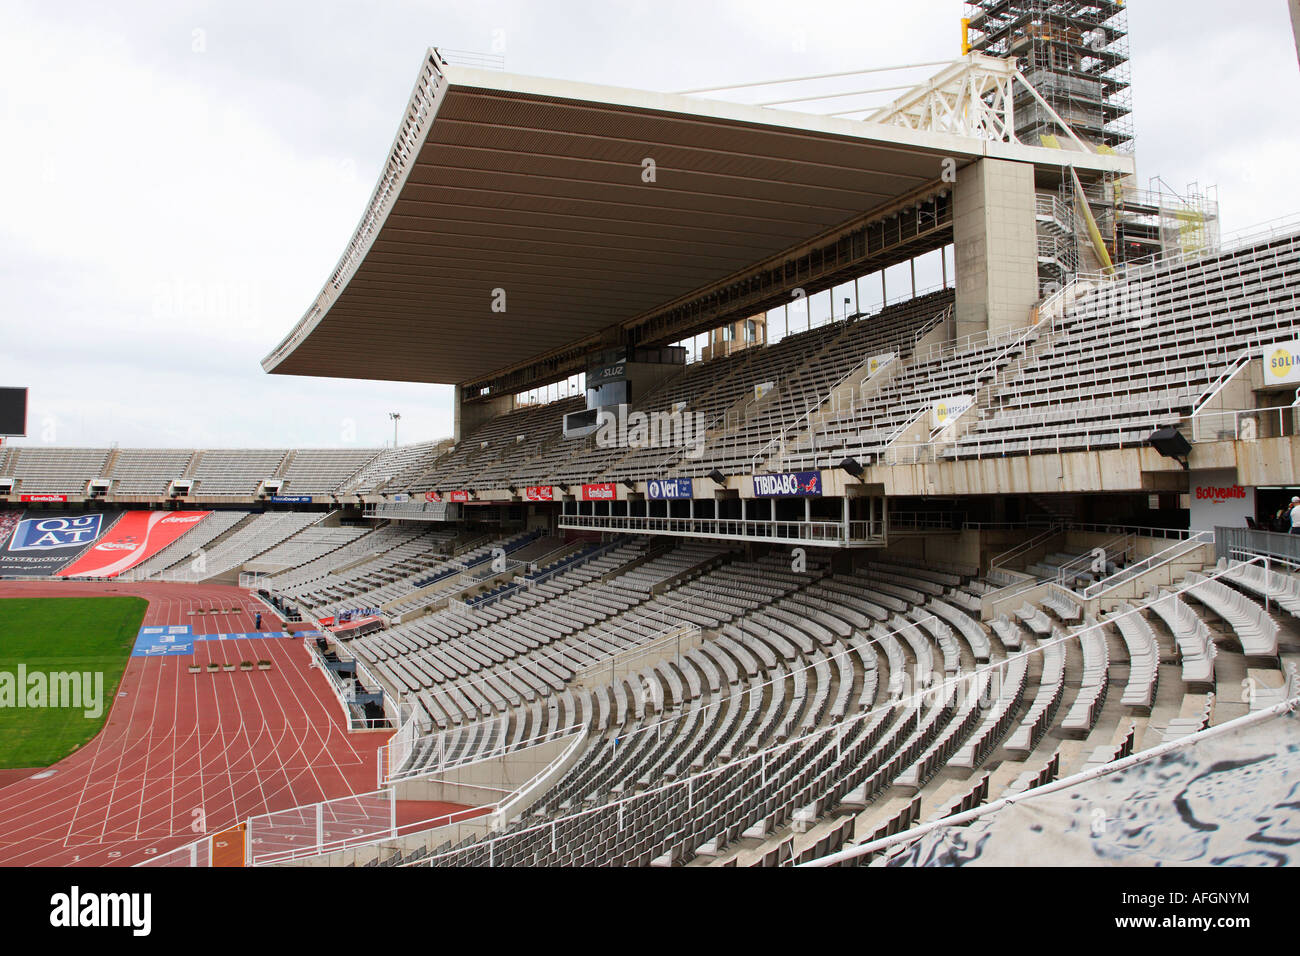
x=44, y=497
x=604, y=491
x=458, y=496
x=137, y=536
x=432, y=496
x=540, y=493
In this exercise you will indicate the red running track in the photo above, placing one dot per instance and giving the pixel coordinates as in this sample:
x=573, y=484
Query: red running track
x=182, y=753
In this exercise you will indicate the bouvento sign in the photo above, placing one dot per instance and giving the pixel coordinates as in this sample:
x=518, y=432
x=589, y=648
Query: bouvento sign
x=790, y=484
x=604, y=491
x=540, y=492
x=668, y=488
x=1282, y=363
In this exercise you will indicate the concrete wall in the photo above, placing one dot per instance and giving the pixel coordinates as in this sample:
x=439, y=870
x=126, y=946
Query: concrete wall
x=996, y=246
x=486, y=781
x=470, y=415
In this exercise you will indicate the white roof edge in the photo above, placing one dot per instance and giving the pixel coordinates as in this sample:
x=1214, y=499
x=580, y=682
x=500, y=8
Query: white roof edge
x=437, y=77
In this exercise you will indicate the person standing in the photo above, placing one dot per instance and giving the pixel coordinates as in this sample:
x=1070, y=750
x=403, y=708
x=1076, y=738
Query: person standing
x=1295, y=515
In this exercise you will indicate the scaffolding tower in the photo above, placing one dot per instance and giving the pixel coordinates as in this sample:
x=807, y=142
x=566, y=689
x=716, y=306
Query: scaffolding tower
x=1074, y=53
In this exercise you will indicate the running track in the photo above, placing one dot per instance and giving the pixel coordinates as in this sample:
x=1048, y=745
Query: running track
x=185, y=752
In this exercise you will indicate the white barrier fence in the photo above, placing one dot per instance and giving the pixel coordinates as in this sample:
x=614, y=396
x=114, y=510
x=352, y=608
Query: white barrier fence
x=198, y=853
x=321, y=827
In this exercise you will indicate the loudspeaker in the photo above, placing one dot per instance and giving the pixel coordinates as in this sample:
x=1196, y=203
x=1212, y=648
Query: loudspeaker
x=1170, y=443
x=718, y=477
x=629, y=484
x=852, y=467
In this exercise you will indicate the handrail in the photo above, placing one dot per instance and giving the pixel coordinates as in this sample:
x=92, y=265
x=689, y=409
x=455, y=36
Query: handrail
x=1015, y=551
x=762, y=454
x=1219, y=384
x=440, y=745
x=1149, y=563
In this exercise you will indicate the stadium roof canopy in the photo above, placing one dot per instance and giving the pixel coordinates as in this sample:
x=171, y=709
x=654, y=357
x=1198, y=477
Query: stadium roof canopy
x=541, y=189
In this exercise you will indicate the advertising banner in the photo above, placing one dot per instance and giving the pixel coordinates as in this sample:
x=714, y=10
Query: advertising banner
x=462, y=496
x=39, y=547
x=946, y=410
x=791, y=484
x=290, y=499
x=877, y=362
x=540, y=493
x=668, y=488
x=37, y=498
x=1282, y=363
x=603, y=491
x=137, y=536
x=432, y=496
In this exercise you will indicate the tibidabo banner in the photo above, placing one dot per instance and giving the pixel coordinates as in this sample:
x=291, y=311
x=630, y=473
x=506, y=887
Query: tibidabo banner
x=790, y=484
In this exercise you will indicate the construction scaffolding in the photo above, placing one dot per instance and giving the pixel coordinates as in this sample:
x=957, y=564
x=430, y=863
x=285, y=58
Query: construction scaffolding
x=1074, y=53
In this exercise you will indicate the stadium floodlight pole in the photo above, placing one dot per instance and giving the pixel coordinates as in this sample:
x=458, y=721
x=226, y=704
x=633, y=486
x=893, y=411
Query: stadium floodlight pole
x=395, y=416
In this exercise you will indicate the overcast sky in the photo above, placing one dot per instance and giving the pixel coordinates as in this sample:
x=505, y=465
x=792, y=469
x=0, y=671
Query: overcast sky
x=177, y=179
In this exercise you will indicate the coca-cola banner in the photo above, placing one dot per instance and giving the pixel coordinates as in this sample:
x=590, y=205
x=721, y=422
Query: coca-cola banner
x=139, y=535
x=540, y=492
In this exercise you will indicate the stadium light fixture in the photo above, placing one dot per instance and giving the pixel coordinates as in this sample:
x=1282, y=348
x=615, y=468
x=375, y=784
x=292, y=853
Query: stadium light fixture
x=1170, y=443
x=718, y=477
x=396, y=417
x=852, y=466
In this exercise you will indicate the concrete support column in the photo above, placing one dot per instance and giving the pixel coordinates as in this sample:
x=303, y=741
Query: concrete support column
x=996, y=241
x=470, y=415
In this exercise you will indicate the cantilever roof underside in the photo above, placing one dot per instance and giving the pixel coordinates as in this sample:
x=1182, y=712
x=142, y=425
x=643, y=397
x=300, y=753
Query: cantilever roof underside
x=537, y=187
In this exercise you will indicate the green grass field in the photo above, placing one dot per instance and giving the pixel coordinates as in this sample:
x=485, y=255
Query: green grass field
x=60, y=635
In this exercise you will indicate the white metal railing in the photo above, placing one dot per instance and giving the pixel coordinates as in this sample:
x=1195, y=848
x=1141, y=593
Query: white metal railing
x=633, y=621
x=1000, y=560
x=345, y=693
x=1122, y=546
x=285, y=835
x=1176, y=551
x=806, y=419
x=770, y=757
x=1212, y=390
x=766, y=761
x=838, y=532
x=1284, y=227
x=1247, y=424
x=529, y=582
x=439, y=752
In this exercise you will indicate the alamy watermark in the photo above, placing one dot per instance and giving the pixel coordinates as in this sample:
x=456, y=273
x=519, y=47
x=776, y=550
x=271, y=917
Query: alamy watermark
x=74, y=690
x=635, y=430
